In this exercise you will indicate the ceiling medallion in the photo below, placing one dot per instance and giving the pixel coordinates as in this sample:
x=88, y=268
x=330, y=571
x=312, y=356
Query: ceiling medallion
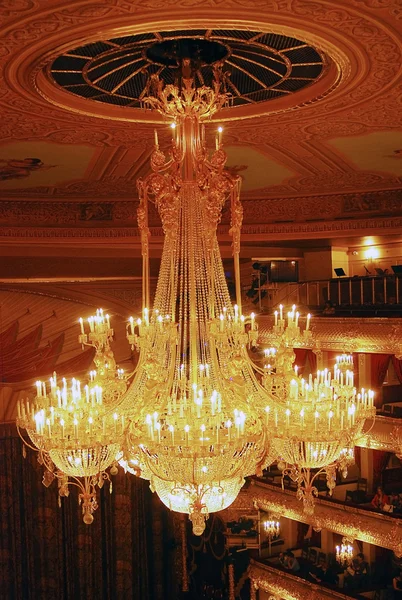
x=258, y=67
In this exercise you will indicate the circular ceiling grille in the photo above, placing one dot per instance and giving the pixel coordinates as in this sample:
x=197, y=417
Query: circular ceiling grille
x=262, y=66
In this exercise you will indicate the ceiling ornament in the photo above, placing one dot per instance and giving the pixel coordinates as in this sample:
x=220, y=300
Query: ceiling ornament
x=353, y=38
x=259, y=66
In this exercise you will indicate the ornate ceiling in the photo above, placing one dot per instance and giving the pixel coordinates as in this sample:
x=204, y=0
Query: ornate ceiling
x=315, y=130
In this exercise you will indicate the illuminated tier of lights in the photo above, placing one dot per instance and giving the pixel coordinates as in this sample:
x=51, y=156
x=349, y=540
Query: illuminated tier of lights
x=96, y=332
x=72, y=425
x=77, y=435
x=315, y=422
x=344, y=552
x=195, y=404
x=271, y=528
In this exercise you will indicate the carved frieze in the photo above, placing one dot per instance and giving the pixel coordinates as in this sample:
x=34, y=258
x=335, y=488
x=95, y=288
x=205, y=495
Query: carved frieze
x=33, y=216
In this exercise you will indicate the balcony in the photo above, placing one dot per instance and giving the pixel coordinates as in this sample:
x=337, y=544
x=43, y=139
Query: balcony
x=379, y=529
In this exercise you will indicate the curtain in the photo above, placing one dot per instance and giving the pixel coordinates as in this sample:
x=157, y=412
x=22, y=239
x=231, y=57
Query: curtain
x=39, y=364
x=379, y=366
x=300, y=358
x=358, y=457
x=48, y=553
x=397, y=364
x=312, y=358
x=18, y=352
x=303, y=529
x=380, y=459
x=9, y=335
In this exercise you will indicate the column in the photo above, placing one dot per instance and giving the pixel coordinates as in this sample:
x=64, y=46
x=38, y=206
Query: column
x=366, y=455
x=327, y=541
x=231, y=582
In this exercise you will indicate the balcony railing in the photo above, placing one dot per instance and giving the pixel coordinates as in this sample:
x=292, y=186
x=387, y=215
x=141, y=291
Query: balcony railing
x=381, y=292
x=282, y=584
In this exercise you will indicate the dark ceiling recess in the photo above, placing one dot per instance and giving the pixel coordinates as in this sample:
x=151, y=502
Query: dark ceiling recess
x=260, y=66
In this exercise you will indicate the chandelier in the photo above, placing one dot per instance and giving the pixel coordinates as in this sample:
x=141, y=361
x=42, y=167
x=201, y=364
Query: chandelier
x=76, y=432
x=198, y=415
x=272, y=530
x=195, y=405
x=315, y=421
x=344, y=552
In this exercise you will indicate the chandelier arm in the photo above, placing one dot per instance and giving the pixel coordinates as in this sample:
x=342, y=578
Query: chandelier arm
x=142, y=219
x=364, y=433
x=31, y=447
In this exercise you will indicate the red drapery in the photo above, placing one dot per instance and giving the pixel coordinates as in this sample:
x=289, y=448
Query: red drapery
x=358, y=457
x=8, y=336
x=78, y=365
x=397, y=364
x=48, y=552
x=302, y=355
x=300, y=358
x=380, y=459
x=38, y=364
x=312, y=359
x=19, y=352
x=379, y=366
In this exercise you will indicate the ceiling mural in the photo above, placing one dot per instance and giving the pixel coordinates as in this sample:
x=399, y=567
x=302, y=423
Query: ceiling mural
x=255, y=168
x=25, y=165
x=380, y=151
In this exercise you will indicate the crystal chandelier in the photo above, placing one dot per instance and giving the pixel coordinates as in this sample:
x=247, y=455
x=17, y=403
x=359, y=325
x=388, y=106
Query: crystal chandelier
x=195, y=405
x=78, y=434
x=272, y=530
x=344, y=552
x=316, y=421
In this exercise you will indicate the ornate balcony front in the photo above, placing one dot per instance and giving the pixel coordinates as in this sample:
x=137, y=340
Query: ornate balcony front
x=367, y=335
x=374, y=528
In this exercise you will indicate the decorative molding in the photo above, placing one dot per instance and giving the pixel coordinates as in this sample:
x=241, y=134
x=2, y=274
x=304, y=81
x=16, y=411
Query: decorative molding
x=15, y=207
x=383, y=336
x=263, y=232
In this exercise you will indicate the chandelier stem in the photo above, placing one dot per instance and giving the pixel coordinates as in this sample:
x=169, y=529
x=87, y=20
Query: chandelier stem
x=237, y=279
x=173, y=279
x=212, y=283
x=142, y=218
x=192, y=291
x=190, y=136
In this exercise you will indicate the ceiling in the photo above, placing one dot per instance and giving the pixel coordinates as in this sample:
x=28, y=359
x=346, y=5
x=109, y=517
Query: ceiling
x=315, y=130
